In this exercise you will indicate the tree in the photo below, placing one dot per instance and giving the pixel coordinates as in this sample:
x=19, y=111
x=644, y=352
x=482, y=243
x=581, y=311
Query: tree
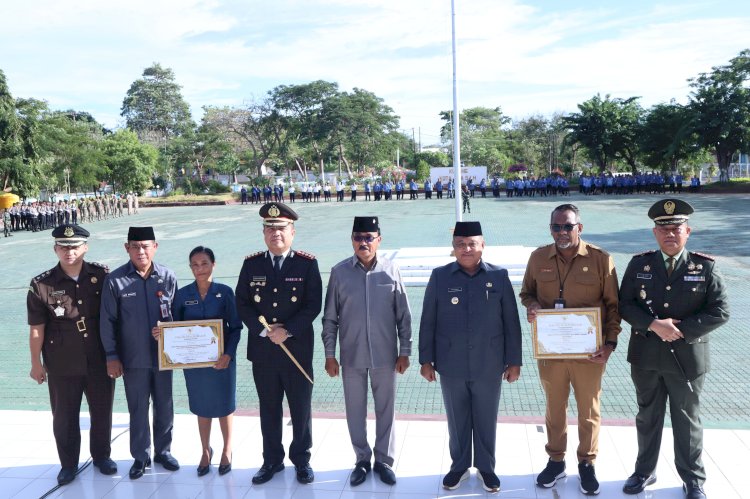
x=607, y=129
x=483, y=139
x=667, y=136
x=11, y=150
x=721, y=105
x=154, y=108
x=131, y=164
x=202, y=149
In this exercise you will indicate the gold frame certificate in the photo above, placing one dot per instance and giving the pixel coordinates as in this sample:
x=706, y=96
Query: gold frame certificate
x=567, y=333
x=190, y=344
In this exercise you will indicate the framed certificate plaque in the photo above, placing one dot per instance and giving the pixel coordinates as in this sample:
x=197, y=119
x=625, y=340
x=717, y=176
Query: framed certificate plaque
x=567, y=333
x=190, y=344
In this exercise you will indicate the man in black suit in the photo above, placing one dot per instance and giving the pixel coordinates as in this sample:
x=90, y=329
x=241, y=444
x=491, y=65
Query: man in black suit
x=672, y=298
x=283, y=286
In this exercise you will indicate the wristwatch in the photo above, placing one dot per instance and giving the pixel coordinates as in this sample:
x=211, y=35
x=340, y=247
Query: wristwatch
x=611, y=343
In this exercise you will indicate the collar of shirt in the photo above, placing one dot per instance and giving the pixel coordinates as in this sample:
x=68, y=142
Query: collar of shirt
x=665, y=257
x=155, y=269
x=356, y=263
x=284, y=255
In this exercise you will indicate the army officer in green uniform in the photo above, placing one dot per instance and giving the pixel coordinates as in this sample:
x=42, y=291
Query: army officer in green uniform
x=672, y=298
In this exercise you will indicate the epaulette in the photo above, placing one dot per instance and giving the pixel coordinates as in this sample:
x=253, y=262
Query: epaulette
x=703, y=255
x=597, y=248
x=649, y=252
x=42, y=275
x=304, y=254
x=100, y=265
x=254, y=255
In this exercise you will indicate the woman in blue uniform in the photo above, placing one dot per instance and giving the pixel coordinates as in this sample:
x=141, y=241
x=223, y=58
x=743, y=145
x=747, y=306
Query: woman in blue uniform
x=211, y=390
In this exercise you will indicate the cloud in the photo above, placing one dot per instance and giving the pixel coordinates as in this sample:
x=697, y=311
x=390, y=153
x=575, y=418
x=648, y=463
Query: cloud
x=514, y=54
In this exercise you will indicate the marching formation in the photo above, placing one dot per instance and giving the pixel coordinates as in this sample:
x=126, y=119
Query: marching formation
x=90, y=326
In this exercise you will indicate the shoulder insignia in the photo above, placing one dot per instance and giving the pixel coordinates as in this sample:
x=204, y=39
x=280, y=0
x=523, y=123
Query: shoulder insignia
x=100, y=265
x=650, y=252
x=42, y=275
x=597, y=248
x=304, y=254
x=254, y=255
x=703, y=255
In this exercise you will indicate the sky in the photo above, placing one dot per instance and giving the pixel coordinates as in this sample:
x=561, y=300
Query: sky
x=533, y=57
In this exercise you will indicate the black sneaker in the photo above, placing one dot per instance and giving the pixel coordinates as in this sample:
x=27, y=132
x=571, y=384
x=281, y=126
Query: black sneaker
x=589, y=483
x=453, y=479
x=490, y=481
x=554, y=471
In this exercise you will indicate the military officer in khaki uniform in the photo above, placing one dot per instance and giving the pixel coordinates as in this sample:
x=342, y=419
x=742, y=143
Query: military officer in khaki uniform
x=63, y=315
x=672, y=298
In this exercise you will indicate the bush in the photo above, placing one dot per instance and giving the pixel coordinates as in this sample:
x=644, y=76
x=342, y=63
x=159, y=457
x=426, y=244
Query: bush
x=216, y=187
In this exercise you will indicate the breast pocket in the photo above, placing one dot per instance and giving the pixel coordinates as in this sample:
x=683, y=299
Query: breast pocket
x=588, y=287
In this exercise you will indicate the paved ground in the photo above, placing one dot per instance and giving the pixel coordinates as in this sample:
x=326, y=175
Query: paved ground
x=29, y=465
x=618, y=224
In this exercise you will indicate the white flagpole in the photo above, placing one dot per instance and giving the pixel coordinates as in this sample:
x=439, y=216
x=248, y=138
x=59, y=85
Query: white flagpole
x=456, y=133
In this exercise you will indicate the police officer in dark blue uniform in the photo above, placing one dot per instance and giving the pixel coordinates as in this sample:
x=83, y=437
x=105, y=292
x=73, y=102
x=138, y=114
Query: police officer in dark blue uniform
x=672, y=298
x=283, y=286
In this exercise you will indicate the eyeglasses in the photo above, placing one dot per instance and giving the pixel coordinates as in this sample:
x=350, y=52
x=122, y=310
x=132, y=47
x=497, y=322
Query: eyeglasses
x=561, y=227
x=364, y=239
x=467, y=246
x=670, y=230
x=138, y=247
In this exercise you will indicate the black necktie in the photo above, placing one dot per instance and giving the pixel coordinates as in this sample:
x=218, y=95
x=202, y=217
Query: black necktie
x=670, y=265
x=277, y=263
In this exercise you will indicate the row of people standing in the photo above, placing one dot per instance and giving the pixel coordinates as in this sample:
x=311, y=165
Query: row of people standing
x=640, y=183
x=42, y=215
x=475, y=344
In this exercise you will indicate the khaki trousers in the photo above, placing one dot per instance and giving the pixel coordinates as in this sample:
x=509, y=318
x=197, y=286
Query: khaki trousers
x=557, y=376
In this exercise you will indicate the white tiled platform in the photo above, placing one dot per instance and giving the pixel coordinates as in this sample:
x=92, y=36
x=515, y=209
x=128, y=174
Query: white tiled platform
x=29, y=465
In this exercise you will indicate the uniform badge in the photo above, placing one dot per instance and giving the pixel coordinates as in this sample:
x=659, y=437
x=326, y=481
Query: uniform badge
x=94, y=280
x=256, y=298
x=585, y=269
x=699, y=267
x=68, y=232
x=489, y=284
x=454, y=300
x=274, y=211
x=647, y=268
x=669, y=207
x=691, y=266
x=642, y=294
x=160, y=281
x=294, y=298
x=218, y=295
x=59, y=311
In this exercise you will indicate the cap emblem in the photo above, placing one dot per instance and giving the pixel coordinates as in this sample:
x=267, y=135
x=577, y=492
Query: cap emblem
x=669, y=207
x=68, y=232
x=274, y=211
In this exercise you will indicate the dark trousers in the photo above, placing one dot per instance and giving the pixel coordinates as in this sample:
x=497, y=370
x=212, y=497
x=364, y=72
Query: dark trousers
x=271, y=384
x=65, y=394
x=142, y=385
x=652, y=389
x=471, y=408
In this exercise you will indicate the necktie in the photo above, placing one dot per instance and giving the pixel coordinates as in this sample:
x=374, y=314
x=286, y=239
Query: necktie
x=277, y=263
x=670, y=265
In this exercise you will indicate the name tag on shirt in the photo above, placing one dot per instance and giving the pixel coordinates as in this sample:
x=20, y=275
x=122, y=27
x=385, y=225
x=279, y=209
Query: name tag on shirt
x=696, y=278
x=643, y=276
x=191, y=302
x=454, y=290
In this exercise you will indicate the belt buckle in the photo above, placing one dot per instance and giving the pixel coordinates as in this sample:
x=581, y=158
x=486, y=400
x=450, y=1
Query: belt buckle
x=81, y=325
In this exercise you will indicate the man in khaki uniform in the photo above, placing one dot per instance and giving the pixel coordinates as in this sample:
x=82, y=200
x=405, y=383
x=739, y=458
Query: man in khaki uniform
x=571, y=273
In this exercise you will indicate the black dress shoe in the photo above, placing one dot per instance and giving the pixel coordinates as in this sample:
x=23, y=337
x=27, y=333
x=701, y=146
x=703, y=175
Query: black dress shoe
x=67, y=474
x=387, y=476
x=359, y=473
x=693, y=491
x=203, y=470
x=637, y=482
x=168, y=461
x=305, y=473
x=138, y=468
x=266, y=472
x=225, y=468
x=106, y=466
